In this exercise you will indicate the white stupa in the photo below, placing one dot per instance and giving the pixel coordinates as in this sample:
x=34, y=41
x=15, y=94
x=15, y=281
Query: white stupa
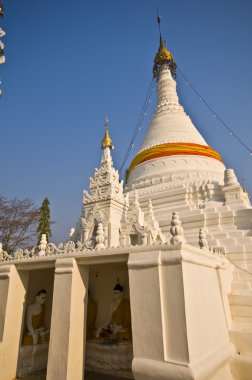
x=172, y=144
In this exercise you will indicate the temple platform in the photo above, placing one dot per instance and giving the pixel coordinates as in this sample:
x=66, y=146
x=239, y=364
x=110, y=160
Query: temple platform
x=41, y=375
x=32, y=359
x=106, y=358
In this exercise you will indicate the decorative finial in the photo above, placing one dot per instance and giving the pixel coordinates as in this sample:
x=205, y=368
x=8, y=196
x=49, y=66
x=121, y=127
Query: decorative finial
x=42, y=245
x=107, y=142
x=163, y=55
x=176, y=230
x=203, y=243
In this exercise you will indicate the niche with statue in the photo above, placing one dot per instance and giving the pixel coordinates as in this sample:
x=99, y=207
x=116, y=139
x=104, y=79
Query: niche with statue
x=33, y=353
x=109, y=331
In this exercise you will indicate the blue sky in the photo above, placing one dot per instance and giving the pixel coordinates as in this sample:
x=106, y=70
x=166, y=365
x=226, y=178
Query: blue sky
x=71, y=63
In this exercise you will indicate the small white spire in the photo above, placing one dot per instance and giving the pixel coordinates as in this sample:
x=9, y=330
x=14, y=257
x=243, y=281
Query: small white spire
x=42, y=245
x=176, y=230
x=203, y=243
x=230, y=177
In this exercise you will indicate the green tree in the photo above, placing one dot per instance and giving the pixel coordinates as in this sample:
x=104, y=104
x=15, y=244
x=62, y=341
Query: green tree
x=44, y=226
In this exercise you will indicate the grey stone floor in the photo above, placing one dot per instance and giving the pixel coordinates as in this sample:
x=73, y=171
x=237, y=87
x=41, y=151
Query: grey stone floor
x=41, y=375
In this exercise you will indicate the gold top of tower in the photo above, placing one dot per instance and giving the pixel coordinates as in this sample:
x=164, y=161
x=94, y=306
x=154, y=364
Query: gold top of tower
x=163, y=56
x=107, y=142
x=163, y=53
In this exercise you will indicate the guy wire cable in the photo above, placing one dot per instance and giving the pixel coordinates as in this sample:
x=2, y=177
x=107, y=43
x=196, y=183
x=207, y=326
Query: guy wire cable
x=232, y=133
x=139, y=122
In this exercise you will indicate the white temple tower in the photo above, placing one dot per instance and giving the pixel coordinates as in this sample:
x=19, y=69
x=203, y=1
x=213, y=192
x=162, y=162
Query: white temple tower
x=178, y=171
x=179, y=236
x=172, y=150
x=174, y=165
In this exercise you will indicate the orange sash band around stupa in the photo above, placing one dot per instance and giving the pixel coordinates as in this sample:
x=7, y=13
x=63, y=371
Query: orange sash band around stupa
x=171, y=149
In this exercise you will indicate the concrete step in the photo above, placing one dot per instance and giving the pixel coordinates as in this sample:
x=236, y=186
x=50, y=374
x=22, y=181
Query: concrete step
x=241, y=285
x=246, y=240
x=248, y=248
x=242, y=319
x=241, y=367
x=240, y=274
x=219, y=235
x=241, y=336
x=245, y=265
x=241, y=257
x=207, y=210
x=236, y=234
x=243, y=298
x=223, y=209
x=241, y=306
x=234, y=249
x=226, y=241
x=241, y=311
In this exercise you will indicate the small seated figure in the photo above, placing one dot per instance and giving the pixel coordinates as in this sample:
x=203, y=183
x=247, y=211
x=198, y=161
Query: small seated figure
x=118, y=325
x=91, y=318
x=35, y=332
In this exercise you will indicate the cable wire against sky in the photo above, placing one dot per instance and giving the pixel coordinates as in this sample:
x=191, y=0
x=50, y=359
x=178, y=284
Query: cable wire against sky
x=139, y=123
x=223, y=123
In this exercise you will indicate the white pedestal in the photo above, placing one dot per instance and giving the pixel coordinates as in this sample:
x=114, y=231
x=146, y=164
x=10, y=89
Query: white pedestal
x=32, y=359
x=178, y=318
x=114, y=359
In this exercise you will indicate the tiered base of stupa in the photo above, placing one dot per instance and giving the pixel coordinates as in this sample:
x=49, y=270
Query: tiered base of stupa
x=225, y=214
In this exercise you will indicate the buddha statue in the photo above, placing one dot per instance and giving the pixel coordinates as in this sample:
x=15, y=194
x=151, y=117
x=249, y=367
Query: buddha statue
x=118, y=324
x=35, y=332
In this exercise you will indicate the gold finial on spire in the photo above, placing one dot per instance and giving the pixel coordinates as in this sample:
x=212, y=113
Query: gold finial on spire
x=163, y=55
x=107, y=142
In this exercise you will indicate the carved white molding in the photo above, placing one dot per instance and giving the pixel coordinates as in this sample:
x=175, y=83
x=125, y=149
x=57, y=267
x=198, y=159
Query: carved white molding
x=105, y=184
x=145, y=228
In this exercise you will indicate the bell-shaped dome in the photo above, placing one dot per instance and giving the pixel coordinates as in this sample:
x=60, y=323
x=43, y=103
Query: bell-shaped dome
x=172, y=143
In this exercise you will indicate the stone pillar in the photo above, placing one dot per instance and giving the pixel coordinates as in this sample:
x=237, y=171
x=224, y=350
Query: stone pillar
x=68, y=324
x=178, y=320
x=13, y=285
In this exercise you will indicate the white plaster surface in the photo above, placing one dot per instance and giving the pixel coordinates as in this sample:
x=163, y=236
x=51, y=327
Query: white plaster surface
x=15, y=283
x=66, y=348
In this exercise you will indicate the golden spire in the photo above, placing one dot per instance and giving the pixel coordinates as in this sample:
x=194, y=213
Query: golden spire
x=107, y=142
x=163, y=56
x=163, y=53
